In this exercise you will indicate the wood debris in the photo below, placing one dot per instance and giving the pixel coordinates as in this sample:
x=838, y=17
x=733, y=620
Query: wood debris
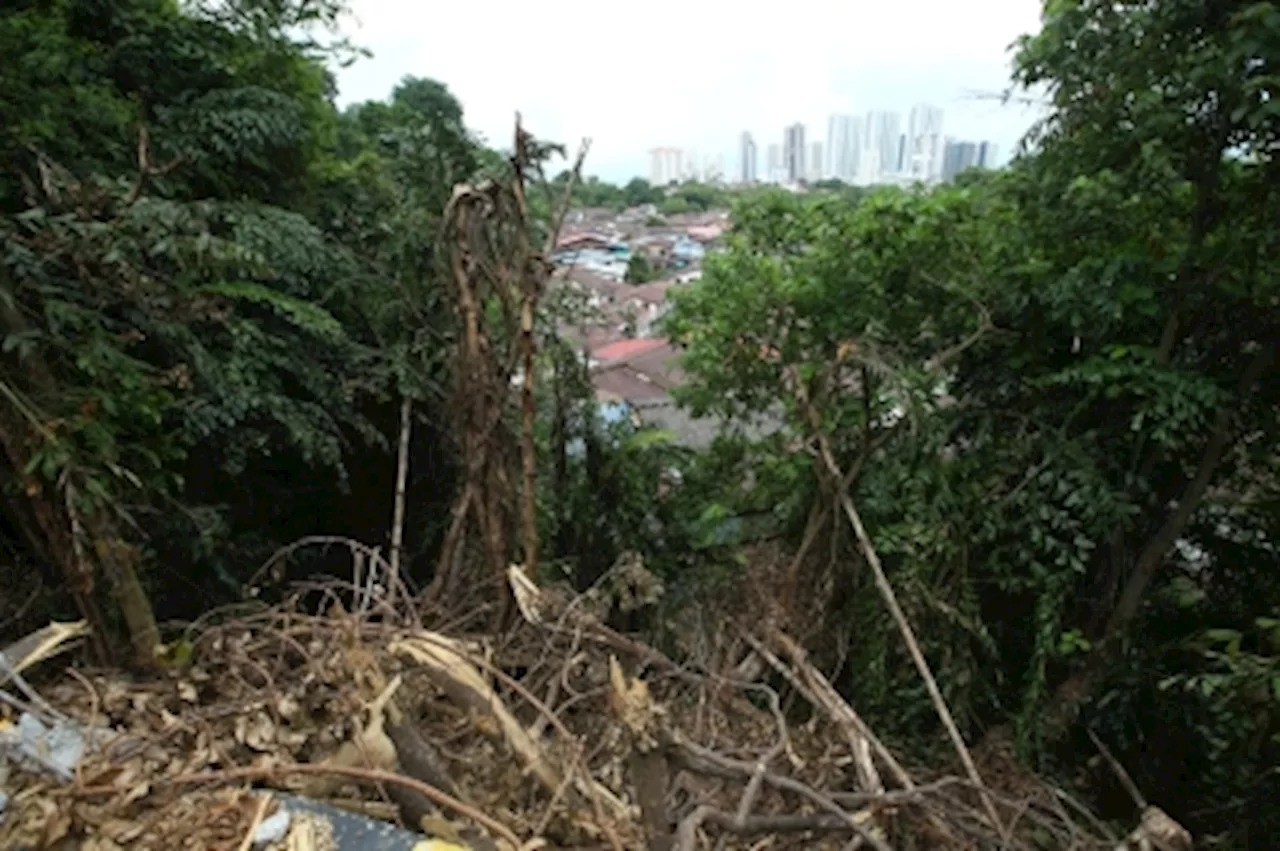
x=570, y=735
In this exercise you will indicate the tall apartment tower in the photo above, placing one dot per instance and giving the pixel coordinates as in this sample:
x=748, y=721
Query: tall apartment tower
x=666, y=165
x=776, y=172
x=986, y=154
x=924, y=146
x=881, y=147
x=957, y=157
x=794, y=153
x=844, y=145
x=747, y=159
x=817, y=169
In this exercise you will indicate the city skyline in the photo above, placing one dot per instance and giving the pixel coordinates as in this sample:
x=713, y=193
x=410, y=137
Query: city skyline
x=745, y=75
x=865, y=149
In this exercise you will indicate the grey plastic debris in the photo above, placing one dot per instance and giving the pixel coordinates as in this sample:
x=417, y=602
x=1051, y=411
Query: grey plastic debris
x=273, y=827
x=57, y=749
x=351, y=831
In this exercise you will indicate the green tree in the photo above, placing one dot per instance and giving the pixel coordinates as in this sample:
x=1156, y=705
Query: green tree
x=638, y=269
x=638, y=191
x=1084, y=521
x=212, y=286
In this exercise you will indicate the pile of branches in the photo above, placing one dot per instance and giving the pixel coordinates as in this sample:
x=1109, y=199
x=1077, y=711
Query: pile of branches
x=562, y=733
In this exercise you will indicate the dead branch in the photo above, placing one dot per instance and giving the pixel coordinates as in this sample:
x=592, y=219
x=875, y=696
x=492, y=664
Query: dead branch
x=402, y=473
x=146, y=171
x=813, y=686
x=532, y=282
x=890, y=598
x=698, y=759
x=253, y=667
x=492, y=262
x=687, y=833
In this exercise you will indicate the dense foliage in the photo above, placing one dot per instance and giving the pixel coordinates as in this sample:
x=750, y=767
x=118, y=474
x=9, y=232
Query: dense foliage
x=215, y=286
x=1059, y=387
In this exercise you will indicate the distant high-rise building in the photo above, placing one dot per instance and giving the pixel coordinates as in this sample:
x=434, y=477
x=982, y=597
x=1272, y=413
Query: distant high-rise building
x=793, y=153
x=924, y=146
x=747, y=159
x=816, y=170
x=777, y=172
x=986, y=155
x=959, y=156
x=881, y=144
x=666, y=165
x=844, y=145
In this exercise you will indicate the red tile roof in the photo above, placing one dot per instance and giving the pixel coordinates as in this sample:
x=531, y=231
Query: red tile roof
x=627, y=349
x=638, y=370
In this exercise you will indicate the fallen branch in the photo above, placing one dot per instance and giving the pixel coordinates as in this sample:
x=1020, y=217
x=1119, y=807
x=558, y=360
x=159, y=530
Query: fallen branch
x=815, y=688
x=702, y=760
x=462, y=682
x=448, y=667
x=259, y=812
x=891, y=603
x=687, y=833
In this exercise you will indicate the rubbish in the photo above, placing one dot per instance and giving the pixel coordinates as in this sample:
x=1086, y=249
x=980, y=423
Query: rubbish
x=350, y=831
x=272, y=828
x=57, y=749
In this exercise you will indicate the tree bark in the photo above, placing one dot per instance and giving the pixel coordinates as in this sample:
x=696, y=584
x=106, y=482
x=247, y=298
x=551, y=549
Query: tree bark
x=402, y=475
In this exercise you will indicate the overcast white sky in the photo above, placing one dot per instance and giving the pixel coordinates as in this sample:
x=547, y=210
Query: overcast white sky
x=695, y=73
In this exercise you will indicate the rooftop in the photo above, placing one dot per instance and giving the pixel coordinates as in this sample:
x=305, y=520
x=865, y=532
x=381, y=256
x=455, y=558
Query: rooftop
x=624, y=350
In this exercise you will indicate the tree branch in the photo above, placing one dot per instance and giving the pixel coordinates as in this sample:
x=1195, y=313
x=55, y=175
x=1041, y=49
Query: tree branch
x=1153, y=554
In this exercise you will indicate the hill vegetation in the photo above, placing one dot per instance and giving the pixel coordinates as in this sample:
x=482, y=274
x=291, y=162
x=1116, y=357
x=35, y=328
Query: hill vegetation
x=1040, y=403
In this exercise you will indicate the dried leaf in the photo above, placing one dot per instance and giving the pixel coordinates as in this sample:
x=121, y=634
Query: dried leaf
x=256, y=731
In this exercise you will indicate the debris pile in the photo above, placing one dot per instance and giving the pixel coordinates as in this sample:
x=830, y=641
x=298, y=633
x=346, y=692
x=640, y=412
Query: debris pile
x=269, y=728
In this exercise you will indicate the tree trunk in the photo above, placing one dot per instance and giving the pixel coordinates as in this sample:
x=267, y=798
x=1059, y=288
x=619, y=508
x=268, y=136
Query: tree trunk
x=1079, y=687
x=528, y=450
x=50, y=538
x=402, y=475
x=59, y=520
x=119, y=560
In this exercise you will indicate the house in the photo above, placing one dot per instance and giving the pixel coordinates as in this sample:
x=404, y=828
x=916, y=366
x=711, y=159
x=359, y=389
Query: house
x=642, y=374
x=641, y=368
x=584, y=239
x=706, y=233
x=647, y=303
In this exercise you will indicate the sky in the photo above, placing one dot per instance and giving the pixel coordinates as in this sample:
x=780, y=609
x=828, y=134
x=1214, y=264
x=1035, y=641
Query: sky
x=695, y=74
